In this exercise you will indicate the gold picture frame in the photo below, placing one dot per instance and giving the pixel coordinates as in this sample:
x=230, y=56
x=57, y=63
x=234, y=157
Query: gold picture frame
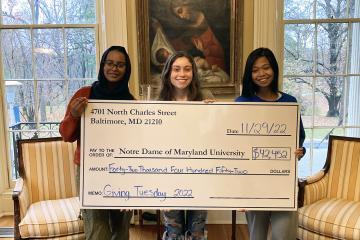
x=164, y=23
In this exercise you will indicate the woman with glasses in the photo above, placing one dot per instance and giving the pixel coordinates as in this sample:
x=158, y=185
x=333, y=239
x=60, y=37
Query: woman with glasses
x=112, y=84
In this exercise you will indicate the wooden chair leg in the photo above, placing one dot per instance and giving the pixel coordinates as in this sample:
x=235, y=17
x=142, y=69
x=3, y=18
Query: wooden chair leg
x=141, y=221
x=233, y=225
x=158, y=223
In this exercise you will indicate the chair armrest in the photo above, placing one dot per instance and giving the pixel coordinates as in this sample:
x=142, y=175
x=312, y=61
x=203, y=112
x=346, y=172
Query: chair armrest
x=316, y=177
x=312, y=188
x=21, y=200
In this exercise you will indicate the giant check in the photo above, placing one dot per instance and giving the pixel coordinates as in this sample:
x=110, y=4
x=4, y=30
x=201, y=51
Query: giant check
x=189, y=155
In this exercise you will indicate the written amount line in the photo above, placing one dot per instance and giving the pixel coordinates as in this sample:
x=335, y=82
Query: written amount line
x=220, y=174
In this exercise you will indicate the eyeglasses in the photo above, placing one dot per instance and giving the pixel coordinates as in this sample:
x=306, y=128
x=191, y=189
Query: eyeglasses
x=111, y=64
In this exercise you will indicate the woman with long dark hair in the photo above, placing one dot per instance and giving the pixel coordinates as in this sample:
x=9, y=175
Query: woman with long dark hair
x=260, y=84
x=112, y=84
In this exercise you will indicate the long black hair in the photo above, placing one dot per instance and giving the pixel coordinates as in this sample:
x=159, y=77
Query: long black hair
x=167, y=92
x=100, y=89
x=249, y=87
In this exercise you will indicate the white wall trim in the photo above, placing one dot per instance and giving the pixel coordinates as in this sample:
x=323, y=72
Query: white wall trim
x=6, y=214
x=4, y=152
x=6, y=201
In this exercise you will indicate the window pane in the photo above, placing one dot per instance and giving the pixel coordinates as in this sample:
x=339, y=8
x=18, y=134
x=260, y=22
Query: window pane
x=43, y=66
x=353, y=106
x=301, y=88
x=354, y=8
x=81, y=53
x=331, y=9
x=320, y=145
x=50, y=12
x=80, y=11
x=329, y=101
x=20, y=101
x=299, y=48
x=298, y=9
x=16, y=54
x=304, y=165
x=352, y=132
x=52, y=101
x=49, y=53
x=331, y=47
x=76, y=84
x=354, y=58
x=16, y=12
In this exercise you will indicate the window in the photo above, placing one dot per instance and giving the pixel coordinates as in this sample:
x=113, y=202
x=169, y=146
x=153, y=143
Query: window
x=322, y=70
x=48, y=51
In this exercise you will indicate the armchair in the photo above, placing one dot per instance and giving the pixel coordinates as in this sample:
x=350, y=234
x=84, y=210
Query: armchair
x=45, y=199
x=331, y=198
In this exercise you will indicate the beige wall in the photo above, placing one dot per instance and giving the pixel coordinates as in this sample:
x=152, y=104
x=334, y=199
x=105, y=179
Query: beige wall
x=248, y=30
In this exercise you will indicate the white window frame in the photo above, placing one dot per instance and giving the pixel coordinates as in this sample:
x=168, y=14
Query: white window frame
x=314, y=75
x=7, y=182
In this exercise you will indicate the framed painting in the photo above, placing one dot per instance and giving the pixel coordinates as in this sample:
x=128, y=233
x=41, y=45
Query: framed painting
x=210, y=31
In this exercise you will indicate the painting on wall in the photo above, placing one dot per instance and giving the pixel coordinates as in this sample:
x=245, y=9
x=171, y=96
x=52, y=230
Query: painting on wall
x=210, y=31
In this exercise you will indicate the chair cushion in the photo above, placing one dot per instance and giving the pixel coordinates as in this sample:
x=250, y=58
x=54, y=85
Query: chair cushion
x=52, y=218
x=334, y=218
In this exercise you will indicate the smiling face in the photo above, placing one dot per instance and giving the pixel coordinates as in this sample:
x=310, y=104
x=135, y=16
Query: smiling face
x=181, y=73
x=115, y=66
x=262, y=73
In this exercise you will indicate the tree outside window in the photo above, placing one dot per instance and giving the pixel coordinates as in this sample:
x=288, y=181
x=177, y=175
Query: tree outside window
x=48, y=51
x=322, y=69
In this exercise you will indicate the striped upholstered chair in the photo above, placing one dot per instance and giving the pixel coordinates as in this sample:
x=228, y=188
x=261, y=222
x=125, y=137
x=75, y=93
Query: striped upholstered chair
x=331, y=198
x=45, y=202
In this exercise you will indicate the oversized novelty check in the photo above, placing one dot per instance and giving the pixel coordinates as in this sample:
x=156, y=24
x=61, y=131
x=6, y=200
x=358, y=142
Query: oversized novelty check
x=189, y=155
